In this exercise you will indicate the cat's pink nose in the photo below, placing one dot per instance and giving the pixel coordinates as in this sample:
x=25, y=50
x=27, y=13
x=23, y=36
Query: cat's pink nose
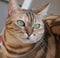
x=29, y=30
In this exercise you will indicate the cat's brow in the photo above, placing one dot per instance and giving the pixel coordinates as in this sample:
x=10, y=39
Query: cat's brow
x=30, y=16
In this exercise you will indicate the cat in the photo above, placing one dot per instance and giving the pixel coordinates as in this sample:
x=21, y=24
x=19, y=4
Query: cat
x=30, y=33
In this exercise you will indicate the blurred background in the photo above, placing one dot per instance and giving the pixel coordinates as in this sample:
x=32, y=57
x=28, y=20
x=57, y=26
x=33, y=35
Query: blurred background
x=54, y=9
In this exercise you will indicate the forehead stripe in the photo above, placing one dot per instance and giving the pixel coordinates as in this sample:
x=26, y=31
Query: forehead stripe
x=30, y=16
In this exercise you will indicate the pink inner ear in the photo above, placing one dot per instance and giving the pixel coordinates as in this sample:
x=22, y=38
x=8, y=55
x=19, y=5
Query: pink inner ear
x=10, y=8
x=0, y=38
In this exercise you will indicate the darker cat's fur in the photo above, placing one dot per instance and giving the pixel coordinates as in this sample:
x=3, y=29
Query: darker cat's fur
x=23, y=41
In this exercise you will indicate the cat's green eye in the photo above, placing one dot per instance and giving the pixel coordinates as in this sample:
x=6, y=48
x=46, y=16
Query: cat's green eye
x=36, y=26
x=20, y=23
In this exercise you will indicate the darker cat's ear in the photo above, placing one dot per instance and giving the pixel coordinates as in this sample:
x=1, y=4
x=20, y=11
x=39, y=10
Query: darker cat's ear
x=42, y=10
x=12, y=6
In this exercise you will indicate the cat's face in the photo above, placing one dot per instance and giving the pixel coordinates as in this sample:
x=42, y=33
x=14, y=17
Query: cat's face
x=25, y=25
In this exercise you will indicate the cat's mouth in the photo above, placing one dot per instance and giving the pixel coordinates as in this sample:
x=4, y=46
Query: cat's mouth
x=30, y=40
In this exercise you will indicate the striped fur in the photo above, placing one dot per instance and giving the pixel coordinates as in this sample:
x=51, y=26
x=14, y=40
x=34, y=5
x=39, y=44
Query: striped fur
x=12, y=43
x=28, y=42
x=52, y=23
x=44, y=48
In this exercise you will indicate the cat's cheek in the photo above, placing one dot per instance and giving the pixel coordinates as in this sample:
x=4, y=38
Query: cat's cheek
x=24, y=36
x=33, y=38
x=36, y=36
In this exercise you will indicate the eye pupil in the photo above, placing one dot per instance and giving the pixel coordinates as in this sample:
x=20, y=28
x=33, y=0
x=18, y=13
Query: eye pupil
x=20, y=23
x=36, y=26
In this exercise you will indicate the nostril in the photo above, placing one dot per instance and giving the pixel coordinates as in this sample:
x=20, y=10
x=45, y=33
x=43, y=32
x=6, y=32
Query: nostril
x=29, y=34
x=27, y=38
x=34, y=34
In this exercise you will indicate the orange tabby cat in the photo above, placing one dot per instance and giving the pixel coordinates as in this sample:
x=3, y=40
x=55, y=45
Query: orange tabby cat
x=27, y=35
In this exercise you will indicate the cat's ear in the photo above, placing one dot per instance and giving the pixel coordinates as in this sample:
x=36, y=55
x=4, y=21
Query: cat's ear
x=42, y=10
x=12, y=6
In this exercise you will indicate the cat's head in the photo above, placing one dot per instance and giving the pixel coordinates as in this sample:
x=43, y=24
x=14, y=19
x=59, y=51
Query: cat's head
x=26, y=25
